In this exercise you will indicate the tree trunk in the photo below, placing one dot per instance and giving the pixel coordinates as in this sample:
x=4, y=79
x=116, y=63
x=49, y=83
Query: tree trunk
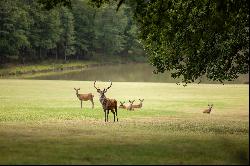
x=40, y=50
x=65, y=57
x=56, y=53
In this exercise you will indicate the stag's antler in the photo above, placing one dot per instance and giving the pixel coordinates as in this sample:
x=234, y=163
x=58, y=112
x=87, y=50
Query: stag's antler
x=95, y=86
x=108, y=87
x=110, y=84
x=141, y=100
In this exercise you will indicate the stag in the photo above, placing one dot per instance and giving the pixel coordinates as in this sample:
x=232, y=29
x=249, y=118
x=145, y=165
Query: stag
x=130, y=107
x=209, y=109
x=85, y=97
x=122, y=105
x=138, y=105
x=107, y=104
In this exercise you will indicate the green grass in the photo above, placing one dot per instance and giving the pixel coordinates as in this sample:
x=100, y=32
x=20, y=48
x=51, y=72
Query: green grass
x=41, y=123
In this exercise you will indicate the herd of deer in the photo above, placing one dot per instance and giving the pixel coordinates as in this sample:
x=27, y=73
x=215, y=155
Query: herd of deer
x=111, y=104
x=131, y=106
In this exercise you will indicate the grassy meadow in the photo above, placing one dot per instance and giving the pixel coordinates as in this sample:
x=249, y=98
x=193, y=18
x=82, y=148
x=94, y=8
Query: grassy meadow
x=41, y=122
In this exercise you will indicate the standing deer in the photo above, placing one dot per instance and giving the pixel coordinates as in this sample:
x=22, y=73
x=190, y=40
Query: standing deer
x=208, y=110
x=85, y=97
x=138, y=105
x=107, y=104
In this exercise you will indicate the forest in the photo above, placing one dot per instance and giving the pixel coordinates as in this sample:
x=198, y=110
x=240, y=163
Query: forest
x=30, y=33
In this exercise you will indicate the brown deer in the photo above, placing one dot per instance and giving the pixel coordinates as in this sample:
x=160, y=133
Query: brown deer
x=85, y=97
x=209, y=109
x=130, y=107
x=122, y=105
x=107, y=104
x=138, y=105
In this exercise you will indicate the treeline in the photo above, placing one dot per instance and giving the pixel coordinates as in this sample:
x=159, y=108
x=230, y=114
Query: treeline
x=30, y=33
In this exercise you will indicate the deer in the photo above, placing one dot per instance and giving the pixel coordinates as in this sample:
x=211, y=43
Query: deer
x=130, y=107
x=107, y=104
x=209, y=109
x=85, y=97
x=138, y=105
x=122, y=105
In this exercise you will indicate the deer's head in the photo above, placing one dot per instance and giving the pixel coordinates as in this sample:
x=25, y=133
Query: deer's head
x=210, y=106
x=77, y=90
x=141, y=100
x=102, y=92
x=121, y=104
x=131, y=102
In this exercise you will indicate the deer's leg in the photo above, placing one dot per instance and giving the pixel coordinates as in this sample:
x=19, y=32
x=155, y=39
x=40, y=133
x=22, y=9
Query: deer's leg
x=107, y=115
x=114, y=115
x=81, y=103
x=92, y=103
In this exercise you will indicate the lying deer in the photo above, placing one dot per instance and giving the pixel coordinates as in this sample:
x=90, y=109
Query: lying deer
x=138, y=105
x=122, y=105
x=130, y=107
x=107, y=104
x=85, y=97
x=209, y=109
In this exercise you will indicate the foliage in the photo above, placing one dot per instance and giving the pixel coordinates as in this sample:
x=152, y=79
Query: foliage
x=67, y=39
x=14, y=23
x=196, y=38
x=84, y=17
x=193, y=38
x=30, y=33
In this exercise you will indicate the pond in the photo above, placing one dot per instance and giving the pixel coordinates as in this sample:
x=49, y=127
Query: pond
x=123, y=73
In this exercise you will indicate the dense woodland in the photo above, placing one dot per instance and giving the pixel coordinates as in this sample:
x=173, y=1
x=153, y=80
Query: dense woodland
x=29, y=33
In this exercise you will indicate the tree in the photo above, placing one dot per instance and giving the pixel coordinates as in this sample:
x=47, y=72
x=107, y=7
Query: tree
x=13, y=29
x=84, y=17
x=132, y=44
x=45, y=29
x=67, y=40
x=196, y=38
x=109, y=30
x=192, y=38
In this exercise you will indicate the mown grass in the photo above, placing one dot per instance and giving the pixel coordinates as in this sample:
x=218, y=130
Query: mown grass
x=41, y=123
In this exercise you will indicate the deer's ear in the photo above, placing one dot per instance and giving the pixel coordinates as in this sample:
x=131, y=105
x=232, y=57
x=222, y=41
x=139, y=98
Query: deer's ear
x=75, y=88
